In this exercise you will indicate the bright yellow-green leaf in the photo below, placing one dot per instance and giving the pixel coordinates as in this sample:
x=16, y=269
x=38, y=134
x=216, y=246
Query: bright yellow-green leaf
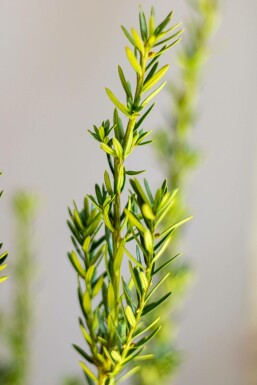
x=148, y=238
x=138, y=41
x=165, y=207
x=128, y=144
x=134, y=279
x=118, y=256
x=87, y=302
x=136, y=262
x=90, y=273
x=107, y=201
x=135, y=221
x=157, y=77
x=101, y=358
x=179, y=223
x=107, y=181
x=157, y=285
x=153, y=94
x=110, y=322
x=117, y=147
x=130, y=316
x=78, y=220
x=101, y=133
x=145, y=357
x=95, y=323
x=139, y=190
x=77, y=265
x=86, y=335
x=107, y=220
x=151, y=42
x=148, y=212
x=117, y=103
x=133, y=61
x=107, y=354
x=86, y=244
x=147, y=328
x=98, y=286
x=152, y=22
x=3, y=266
x=111, y=297
x=135, y=138
x=116, y=356
x=88, y=372
x=144, y=281
x=107, y=149
x=120, y=180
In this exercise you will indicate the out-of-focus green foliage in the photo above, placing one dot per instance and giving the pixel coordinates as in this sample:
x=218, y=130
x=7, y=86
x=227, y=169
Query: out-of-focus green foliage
x=15, y=327
x=72, y=380
x=177, y=159
x=3, y=256
x=121, y=228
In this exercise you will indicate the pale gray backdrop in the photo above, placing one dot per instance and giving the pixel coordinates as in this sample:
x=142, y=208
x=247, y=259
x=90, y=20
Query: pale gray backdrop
x=56, y=58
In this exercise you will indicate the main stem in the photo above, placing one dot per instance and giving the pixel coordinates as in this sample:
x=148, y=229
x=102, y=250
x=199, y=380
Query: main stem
x=116, y=234
x=118, y=164
x=116, y=237
x=130, y=337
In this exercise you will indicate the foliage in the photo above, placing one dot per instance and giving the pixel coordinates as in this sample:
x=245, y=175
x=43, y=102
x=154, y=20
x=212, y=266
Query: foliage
x=72, y=380
x=3, y=256
x=16, y=326
x=178, y=158
x=114, y=306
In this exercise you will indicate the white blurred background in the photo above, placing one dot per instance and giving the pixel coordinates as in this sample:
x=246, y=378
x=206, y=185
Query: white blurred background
x=56, y=58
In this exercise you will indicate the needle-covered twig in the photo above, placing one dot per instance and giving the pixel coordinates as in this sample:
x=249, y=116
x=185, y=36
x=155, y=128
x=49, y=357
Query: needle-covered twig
x=109, y=235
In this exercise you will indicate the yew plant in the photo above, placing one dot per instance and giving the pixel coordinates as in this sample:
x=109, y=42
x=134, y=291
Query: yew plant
x=120, y=228
x=3, y=256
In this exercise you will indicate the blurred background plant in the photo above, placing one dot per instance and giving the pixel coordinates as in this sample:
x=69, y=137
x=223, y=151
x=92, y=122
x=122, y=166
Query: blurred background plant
x=73, y=380
x=178, y=159
x=3, y=256
x=15, y=326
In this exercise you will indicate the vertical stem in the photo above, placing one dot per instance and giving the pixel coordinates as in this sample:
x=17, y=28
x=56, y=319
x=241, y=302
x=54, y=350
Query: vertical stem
x=140, y=81
x=117, y=210
x=101, y=379
x=138, y=317
x=130, y=128
x=116, y=235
